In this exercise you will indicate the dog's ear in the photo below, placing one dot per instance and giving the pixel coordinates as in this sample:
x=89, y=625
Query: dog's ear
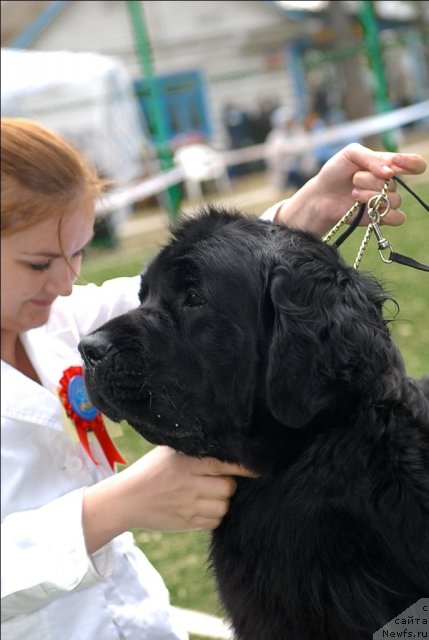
x=329, y=338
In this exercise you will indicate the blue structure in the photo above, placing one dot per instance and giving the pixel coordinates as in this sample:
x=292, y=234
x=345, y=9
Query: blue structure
x=39, y=24
x=182, y=98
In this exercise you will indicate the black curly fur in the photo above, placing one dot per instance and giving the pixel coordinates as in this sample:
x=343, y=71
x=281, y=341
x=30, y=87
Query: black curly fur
x=258, y=344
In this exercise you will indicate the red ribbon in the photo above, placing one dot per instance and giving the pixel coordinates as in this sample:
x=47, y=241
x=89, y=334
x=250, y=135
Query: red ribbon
x=84, y=425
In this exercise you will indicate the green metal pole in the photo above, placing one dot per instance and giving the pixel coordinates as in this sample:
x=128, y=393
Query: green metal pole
x=144, y=53
x=375, y=55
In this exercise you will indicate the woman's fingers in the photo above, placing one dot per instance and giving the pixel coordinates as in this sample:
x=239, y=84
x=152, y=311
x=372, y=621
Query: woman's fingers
x=365, y=181
x=216, y=488
x=366, y=185
x=209, y=513
x=394, y=218
x=216, y=485
x=214, y=467
x=384, y=165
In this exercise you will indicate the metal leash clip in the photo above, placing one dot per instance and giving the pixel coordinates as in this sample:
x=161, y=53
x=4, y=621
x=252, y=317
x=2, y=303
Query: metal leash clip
x=378, y=206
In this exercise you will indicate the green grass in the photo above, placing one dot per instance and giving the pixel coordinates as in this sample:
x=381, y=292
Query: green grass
x=181, y=557
x=128, y=259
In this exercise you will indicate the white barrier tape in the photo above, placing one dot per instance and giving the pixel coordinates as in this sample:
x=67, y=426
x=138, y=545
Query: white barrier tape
x=345, y=132
x=145, y=189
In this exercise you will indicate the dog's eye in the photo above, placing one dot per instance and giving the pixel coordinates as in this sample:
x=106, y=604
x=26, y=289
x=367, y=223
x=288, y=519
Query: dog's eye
x=193, y=299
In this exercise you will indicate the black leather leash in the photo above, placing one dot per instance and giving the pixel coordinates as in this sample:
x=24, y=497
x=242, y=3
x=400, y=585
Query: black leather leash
x=377, y=203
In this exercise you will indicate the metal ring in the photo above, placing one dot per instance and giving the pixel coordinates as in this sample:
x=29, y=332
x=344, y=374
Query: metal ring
x=379, y=200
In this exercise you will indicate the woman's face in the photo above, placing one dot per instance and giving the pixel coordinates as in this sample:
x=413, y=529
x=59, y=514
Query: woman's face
x=37, y=266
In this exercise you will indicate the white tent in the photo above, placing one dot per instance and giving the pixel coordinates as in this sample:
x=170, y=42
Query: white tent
x=86, y=97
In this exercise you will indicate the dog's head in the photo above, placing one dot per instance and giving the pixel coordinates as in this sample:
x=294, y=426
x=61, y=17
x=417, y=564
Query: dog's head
x=238, y=316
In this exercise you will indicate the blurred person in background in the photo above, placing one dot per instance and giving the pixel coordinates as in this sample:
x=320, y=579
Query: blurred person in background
x=237, y=124
x=319, y=118
x=70, y=566
x=260, y=120
x=288, y=167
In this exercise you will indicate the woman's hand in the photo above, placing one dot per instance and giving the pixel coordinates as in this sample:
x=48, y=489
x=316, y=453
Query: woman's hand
x=162, y=491
x=354, y=173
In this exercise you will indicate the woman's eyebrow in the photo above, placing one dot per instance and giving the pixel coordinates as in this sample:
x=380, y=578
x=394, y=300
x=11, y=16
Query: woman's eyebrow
x=50, y=254
x=41, y=254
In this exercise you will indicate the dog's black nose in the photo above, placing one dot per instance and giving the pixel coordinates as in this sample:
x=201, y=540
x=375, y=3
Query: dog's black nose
x=93, y=348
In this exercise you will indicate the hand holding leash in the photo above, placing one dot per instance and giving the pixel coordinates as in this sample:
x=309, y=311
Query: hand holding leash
x=348, y=179
x=378, y=206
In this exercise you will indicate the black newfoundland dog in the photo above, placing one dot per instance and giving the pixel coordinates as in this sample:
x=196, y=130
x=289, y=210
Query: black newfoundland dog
x=257, y=344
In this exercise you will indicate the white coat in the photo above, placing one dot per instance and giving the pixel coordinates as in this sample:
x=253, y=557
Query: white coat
x=51, y=588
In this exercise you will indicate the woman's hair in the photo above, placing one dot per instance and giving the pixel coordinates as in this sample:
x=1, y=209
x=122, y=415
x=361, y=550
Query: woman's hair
x=41, y=175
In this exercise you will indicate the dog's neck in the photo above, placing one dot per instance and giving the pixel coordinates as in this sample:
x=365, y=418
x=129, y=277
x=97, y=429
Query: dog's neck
x=272, y=447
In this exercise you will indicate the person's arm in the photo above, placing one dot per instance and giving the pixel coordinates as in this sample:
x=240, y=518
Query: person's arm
x=63, y=546
x=162, y=491
x=355, y=173
x=44, y=556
